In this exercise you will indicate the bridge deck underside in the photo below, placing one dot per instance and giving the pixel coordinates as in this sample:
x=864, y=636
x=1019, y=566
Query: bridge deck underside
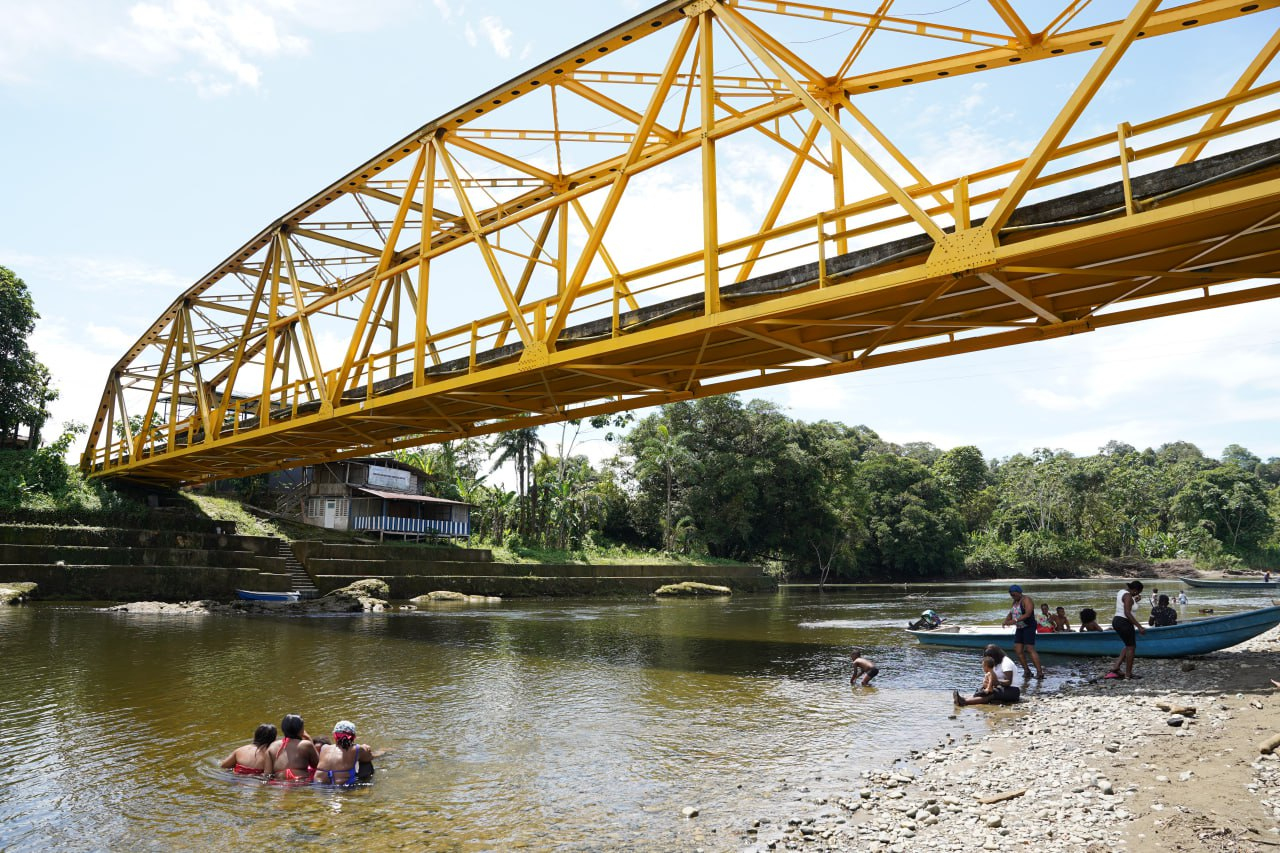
x=1065, y=266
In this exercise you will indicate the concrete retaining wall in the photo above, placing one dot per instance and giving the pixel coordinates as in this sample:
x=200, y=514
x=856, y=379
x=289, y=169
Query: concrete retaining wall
x=119, y=537
x=85, y=555
x=307, y=550
x=140, y=583
x=380, y=568
x=527, y=586
x=103, y=564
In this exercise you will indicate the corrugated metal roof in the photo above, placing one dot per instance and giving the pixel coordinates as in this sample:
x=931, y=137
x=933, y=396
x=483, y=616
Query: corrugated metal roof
x=403, y=496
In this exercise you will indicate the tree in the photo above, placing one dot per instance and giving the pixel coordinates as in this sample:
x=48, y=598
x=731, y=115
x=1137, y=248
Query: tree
x=1035, y=492
x=1240, y=457
x=1175, y=452
x=826, y=521
x=24, y=382
x=520, y=447
x=662, y=454
x=913, y=528
x=963, y=471
x=1228, y=502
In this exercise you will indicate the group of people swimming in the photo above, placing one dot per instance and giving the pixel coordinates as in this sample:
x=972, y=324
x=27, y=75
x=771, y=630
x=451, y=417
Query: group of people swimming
x=296, y=757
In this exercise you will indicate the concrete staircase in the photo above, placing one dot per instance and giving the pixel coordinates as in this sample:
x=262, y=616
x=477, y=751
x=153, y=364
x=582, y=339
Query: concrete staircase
x=79, y=563
x=302, y=582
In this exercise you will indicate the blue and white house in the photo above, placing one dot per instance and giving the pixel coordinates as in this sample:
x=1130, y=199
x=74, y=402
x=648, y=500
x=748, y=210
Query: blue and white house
x=382, y=496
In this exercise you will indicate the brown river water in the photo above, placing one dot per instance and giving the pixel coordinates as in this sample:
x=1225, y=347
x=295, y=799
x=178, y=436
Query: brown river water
x=548, y=724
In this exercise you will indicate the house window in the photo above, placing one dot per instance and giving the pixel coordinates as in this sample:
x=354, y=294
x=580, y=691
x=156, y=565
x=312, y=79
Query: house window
x=316, y=507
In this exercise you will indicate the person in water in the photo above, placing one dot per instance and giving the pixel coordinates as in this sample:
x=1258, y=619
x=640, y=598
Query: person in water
x=864, y=667
x=1001, y=669
x=1022, y=615
x=294, y=755
x=1126, y=624
x=1089, y=620
x=344, y=762
x=253, y=759
x=1162, y=613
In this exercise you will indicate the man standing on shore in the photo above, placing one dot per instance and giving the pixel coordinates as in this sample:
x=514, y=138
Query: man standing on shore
x=1022, y=615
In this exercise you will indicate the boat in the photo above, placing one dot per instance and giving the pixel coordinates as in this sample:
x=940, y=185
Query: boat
x=1193, y=637
x=1226, y=584
x=250, y=595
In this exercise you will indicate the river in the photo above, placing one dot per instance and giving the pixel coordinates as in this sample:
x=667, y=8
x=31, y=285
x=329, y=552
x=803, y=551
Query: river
x=575, y=725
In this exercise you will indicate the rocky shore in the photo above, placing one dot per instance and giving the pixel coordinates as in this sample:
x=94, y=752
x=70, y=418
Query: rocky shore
x=1170, y=762
x=364, y=596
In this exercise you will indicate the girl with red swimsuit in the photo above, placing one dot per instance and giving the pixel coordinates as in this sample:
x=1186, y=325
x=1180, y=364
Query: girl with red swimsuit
x=294, y=756
x=253, y=759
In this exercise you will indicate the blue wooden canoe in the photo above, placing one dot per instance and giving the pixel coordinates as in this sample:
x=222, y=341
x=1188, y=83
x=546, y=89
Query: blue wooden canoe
x=250, y=595
x=1194, y=637
x=1226, y=584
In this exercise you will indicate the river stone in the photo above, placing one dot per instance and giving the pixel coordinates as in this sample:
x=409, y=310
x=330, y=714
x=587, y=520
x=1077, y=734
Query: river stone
x=16, y=593
x=439, y=595
x=692, y=588
x=368, y=595
x=167, y=608
x=689, y=811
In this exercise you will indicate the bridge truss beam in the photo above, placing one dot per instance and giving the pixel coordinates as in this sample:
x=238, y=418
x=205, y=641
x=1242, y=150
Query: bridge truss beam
x=482, y=275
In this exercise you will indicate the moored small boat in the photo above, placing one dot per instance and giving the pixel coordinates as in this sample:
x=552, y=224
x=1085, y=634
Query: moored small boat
x=1194, y=637
x=250, y=595
x=1229, y=584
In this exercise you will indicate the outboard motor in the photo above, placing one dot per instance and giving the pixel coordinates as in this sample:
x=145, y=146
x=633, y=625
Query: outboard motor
x=928, y=620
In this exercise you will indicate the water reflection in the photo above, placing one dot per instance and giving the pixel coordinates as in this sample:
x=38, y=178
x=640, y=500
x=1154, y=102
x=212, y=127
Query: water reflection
x=575, y=725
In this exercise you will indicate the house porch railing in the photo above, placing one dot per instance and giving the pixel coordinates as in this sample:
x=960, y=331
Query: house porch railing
x=419, y=526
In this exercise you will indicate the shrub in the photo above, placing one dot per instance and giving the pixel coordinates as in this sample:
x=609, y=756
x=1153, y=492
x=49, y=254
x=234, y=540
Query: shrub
x=986, y=555
x=1043, y=553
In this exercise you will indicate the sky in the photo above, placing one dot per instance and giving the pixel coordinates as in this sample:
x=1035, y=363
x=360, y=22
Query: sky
x=145, y=141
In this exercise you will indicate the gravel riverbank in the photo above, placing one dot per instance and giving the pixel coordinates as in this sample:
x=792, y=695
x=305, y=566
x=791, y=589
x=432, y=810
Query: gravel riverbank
x=1168, y=762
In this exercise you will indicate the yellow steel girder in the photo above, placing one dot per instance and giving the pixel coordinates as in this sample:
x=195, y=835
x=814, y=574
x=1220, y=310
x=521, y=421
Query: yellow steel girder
x=426, y=260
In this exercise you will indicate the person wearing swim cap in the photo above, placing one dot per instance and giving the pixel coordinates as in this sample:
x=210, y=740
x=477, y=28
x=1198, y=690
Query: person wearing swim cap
x=1022, y=615
x=344, y=762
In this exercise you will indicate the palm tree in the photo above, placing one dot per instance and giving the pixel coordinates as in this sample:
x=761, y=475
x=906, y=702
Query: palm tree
x=520, y=447
x=662, y=453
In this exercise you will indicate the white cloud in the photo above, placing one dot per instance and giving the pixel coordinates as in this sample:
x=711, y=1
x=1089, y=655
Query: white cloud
x=78, y=364
x=469, y=33
x=217, y=46
x=499, y=36
x=224, y=41
x=1230, y=350
x=91, y=274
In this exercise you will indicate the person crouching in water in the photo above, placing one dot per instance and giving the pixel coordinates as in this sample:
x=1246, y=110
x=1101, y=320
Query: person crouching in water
x=294, y=756
x=863, y=667
x=344, y=762
x=253, y=759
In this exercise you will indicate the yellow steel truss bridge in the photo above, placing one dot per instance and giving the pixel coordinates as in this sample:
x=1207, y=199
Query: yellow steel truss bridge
x=562, y=246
